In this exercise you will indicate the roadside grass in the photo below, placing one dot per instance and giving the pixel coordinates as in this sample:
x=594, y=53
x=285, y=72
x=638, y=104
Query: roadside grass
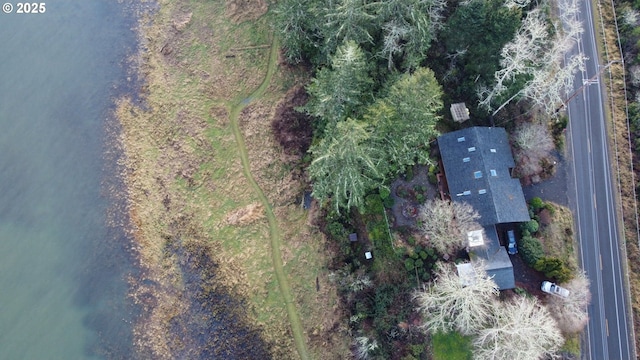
x=618, y=127
x=185, y=175
x=557, y=237
x=451, y=346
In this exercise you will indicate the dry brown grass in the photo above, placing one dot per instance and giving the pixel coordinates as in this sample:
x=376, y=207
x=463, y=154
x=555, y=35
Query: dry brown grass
x=245, y=215
x=185, y=181
x=557, y=236
x=244, y=10
x=621, y=156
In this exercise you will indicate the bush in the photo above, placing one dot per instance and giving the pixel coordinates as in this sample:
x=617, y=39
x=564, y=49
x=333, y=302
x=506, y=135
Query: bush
x=384, y=192
x=337, y=231
x=433, y=170
x=373, y=205
x=554, y=268
x=550, y=208
x=536, y=203
x=408, y=176
x=531, y=250
x=531, y=226
x=388, y=202
x=433, y=179
x=409, y=264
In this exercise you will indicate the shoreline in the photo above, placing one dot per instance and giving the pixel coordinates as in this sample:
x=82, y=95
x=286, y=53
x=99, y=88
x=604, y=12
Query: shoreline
x=185, y=184
x=171, y=289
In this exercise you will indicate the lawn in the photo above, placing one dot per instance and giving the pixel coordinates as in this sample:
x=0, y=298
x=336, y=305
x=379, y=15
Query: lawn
x=451, y=346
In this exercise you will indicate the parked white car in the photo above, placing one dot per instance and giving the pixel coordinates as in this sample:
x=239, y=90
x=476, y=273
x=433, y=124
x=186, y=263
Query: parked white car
x=552, y=288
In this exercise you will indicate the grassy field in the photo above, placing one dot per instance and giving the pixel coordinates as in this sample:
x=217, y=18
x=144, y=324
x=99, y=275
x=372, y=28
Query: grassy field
x=186, y=180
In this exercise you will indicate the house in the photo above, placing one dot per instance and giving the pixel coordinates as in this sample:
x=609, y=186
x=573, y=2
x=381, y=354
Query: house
x=477, y=163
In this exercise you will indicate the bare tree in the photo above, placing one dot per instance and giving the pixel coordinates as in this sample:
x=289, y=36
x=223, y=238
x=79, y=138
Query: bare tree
x=533, y=143
x=394, y=35
x=517, y=3
x=533, y=137
x=453, y=303
x=540, y=56
x=445, y=224
x=571, y=312
x=364, y=347
x=520, y=330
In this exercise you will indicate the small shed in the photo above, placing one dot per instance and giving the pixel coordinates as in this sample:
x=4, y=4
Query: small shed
x=368, y=255
x=353, y=237
x=459, y=112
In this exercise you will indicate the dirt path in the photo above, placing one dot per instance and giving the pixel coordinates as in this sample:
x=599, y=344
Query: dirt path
x=274, y=231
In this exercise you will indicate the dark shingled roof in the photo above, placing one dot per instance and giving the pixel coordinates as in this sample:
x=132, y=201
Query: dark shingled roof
x=495, y=258
x=477, y=163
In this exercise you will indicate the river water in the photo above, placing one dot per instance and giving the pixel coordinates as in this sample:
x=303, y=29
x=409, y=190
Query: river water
x=63, y=289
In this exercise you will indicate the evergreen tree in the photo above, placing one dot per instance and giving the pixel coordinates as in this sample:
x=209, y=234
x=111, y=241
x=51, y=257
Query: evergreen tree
x=345, y=165
x=404, y=121
x=338, y=92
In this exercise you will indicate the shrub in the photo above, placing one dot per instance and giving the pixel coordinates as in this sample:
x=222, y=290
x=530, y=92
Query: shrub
x=433, y=179
x=531, y=250
x=554, y=268
x=337, y=230
x=433, y=170
x=388, y=202
x=536, y=203
x=531, y=226
x=384, y=192
x=551, y=209
x=373, y=205
x=409, y=264
x=409, y=174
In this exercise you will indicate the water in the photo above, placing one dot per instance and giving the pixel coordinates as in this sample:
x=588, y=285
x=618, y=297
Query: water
x=62, y=287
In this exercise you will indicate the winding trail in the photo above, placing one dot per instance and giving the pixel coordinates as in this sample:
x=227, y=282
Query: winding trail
x=274, y=231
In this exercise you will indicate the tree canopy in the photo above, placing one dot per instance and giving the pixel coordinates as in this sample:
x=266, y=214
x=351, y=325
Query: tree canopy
x=445, y=224
x=345, y=165
x=398, y=31
x=453, y=304
x=337, y=92
x=404, y=122
x=473, y=37
x=521, y=329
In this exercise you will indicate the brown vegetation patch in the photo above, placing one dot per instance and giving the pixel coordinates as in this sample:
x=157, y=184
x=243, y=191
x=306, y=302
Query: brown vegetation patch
x=246, y=215
x=244, y=10
x=557, y=237
x=220, y=115
x=269, y=164
x=292, y=129
x=619, y=136
x=181, y=20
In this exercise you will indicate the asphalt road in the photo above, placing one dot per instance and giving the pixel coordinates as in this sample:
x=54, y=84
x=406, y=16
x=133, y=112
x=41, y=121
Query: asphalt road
x=608, y=334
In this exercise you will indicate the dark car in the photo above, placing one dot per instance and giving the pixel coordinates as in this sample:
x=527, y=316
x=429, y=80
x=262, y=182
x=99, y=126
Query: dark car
x=512, y=248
